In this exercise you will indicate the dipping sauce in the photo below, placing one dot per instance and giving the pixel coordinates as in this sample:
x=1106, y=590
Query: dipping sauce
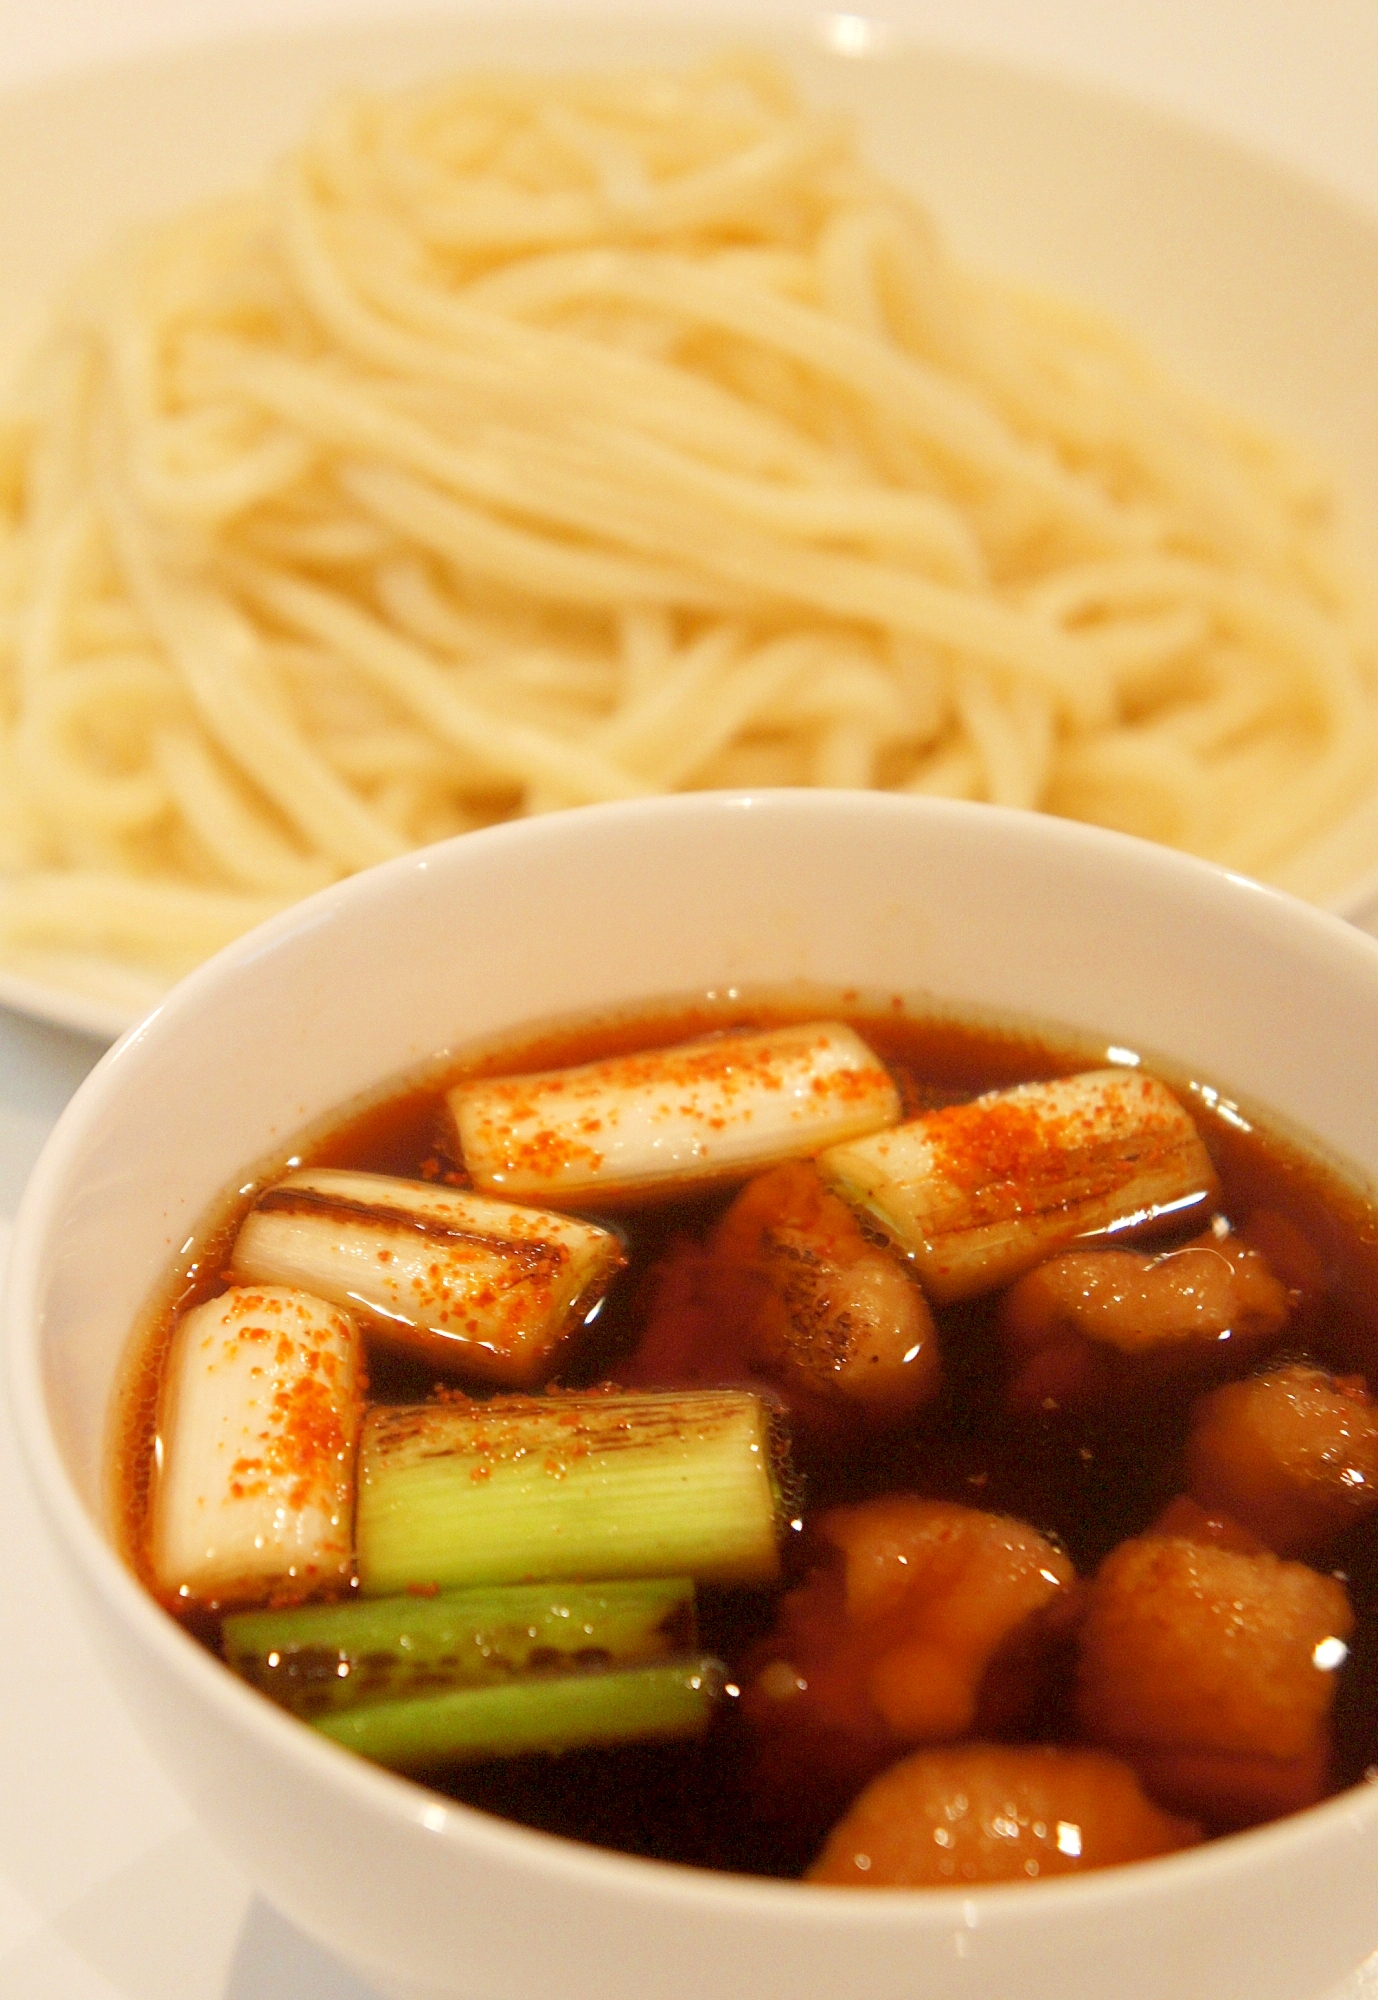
x=996, y=1507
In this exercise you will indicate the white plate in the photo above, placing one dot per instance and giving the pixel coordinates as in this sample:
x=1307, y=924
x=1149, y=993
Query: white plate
x=107, y=1890
x=1250, y=280
x=64, y=1007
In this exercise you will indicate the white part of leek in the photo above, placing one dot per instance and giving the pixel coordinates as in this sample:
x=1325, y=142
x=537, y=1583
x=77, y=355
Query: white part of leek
x=976, y=1194
x=484, y=1286
x=701, y=1111
x=257, y=1426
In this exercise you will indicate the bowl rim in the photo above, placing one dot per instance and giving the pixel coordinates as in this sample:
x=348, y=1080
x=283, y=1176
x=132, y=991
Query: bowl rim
x=469, y=1831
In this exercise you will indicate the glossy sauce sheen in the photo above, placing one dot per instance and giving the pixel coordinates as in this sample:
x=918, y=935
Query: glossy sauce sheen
x=1088, y=1483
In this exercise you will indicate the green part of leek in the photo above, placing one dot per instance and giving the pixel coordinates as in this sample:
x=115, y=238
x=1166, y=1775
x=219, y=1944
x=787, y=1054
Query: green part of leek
x=592, y=1484
x=660, y=1703
x=319, y=1659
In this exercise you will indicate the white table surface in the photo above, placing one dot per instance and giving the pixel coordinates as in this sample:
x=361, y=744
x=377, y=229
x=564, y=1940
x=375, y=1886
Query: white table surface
x=108, y=1890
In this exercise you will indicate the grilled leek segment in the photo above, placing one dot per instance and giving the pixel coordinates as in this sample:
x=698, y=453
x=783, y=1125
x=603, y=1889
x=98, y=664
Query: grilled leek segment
x=702, y=1111
x=979, y=1193
x=585, y=1484
x=663, y=1702
x=470, y=1283
x=316, y=1659
x=254, y=1486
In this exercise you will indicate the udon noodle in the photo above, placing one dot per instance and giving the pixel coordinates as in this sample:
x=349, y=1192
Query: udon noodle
x=534, y=441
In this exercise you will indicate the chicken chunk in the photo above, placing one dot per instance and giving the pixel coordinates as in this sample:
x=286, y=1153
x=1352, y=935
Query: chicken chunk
x=1212, y=1671
x=827, y=1310
x=1293, y=1454
x=1093, y=1327
x=789, y=1290
x=930, y=1621
x=993, y=1812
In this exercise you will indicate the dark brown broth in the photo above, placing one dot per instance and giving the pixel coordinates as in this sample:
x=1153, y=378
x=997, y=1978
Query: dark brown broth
x=1088, y=1483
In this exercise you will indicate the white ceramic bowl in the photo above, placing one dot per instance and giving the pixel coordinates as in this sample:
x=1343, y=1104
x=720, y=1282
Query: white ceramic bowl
x=969, y=907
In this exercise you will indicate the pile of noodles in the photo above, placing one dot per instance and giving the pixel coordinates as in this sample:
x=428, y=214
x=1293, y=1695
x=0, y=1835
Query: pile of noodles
x=528, y=442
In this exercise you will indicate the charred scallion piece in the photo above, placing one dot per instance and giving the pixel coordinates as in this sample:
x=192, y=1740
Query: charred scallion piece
x=591, y=1484
x=660, y=1703
x=469, y=1283
x=322, y=1658
x=253, y=1487
x=979, y=1193
x=701, y=1111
